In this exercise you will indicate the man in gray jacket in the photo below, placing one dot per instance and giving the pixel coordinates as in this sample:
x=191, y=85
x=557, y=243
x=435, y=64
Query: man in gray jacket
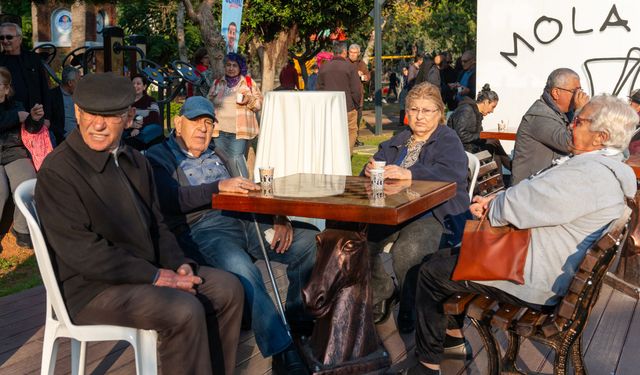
x=543, y=134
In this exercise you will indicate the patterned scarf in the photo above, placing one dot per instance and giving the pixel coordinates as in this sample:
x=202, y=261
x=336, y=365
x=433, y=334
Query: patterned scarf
x=413, y=151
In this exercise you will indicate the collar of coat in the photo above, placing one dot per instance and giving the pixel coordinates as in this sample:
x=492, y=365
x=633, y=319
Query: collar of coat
x=96, y=159
x=401, y=139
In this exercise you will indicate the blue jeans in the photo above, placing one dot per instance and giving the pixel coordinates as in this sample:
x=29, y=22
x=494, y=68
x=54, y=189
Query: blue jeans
x=230, y=242
x=232, y=151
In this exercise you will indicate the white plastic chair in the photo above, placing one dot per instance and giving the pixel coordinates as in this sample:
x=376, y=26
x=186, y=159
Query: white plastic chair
x=474, y=168
x=57, y=322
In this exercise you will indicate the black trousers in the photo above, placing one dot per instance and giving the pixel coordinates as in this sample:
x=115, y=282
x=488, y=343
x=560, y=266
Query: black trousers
x=434, y=288
x=197, y=334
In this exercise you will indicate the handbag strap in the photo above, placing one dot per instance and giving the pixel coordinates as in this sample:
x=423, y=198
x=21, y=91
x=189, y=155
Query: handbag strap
x=484, y=216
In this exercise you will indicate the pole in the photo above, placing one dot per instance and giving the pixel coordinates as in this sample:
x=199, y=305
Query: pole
x=377, y=21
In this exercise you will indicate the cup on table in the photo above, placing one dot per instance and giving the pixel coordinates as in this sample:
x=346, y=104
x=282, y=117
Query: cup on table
x=502, y=126
x=377, y=198
x=377, y=179
x=266, y=178
x=377, y=164
x=239, y=98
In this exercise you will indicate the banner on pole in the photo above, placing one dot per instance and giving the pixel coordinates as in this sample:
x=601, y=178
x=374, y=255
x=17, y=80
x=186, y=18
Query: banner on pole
x=230, y=25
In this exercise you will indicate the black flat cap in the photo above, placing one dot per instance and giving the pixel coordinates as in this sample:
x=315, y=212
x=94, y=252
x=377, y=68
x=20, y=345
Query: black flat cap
x=104, y=93
x=635, y=96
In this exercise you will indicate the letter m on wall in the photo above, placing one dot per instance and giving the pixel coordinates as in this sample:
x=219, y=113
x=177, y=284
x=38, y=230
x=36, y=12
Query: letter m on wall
x=508, y=55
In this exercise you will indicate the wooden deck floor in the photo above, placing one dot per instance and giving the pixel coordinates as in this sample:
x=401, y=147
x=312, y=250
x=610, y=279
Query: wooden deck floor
x=611, y=342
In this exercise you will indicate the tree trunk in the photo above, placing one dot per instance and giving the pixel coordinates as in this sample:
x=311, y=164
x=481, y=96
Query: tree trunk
x=182, y=46
x=275, y=55
x=79, y=26
x=371, y=43
x=210, y=33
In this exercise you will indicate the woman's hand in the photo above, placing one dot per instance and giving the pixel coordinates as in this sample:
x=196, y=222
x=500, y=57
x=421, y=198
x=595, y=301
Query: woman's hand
x=396, y=172
x=37, y=112
x=22, y=116
x=369, y=166
x=480, y=205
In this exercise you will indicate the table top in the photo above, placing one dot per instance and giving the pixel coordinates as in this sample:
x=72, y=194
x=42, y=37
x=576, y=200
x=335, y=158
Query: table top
x=340, y=198
x=634, y=162
x=507, y=135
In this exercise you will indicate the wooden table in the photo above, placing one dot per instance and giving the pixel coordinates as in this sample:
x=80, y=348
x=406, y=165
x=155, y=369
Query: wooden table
x=507, y=135
x=340, y=198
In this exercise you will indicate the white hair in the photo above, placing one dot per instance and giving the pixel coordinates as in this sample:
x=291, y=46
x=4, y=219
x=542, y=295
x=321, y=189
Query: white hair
x=614, y=117
x=14, y=25
x=354, y=47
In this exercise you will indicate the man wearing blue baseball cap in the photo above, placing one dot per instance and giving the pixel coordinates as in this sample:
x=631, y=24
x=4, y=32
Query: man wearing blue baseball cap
x=116, y=260
x=187, y=172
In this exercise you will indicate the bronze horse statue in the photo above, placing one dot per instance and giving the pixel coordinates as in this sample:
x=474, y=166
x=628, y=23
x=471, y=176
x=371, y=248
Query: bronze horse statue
x=339, y=296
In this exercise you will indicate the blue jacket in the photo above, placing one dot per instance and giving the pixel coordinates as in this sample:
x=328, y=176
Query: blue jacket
x=442, y=158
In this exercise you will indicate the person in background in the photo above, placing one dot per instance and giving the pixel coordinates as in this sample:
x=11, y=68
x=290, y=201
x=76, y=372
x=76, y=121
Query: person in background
x=544, y=134
x=466, y=85
x=339, y=74
x=15, y=160
x=30, y=79
x=567, y=207
x=312, y=80
x=236, y=98
x=393, y=85
x=427, y=150
x=634, y=102
x=428, y=72
x=448, y=76
x=146, y=128
x=288, y=77
x=63, y=117
x=201, y=62
x=466, y=120
x=404, y=82
x=365, y=79
x=117, y=262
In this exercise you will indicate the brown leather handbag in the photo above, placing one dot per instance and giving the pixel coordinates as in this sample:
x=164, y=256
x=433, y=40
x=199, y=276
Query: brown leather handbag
x=492, y=253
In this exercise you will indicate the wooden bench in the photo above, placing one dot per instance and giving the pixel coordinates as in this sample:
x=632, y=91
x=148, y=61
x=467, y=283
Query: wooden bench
x=560, y=326
x=490, y=179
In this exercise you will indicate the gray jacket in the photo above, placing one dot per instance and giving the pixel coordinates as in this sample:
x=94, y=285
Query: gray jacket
x=568, y=207
x=542, y=136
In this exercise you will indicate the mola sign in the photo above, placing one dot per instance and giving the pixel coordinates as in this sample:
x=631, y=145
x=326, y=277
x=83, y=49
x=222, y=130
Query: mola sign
x=521, y=41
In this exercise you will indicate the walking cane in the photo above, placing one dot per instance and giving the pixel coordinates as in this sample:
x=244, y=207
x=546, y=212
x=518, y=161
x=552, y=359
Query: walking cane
x=274, y=284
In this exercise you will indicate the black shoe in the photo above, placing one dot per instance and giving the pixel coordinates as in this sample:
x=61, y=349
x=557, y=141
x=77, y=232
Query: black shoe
x=288, y=362
x=22, y=239
x=382, y=310
x=406, y=321
x=358, y=143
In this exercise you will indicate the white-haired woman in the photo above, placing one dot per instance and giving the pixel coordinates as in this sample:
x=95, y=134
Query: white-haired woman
x=567, y=207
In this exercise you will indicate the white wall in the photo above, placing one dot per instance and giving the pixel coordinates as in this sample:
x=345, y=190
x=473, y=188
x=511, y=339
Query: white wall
x=518, y=86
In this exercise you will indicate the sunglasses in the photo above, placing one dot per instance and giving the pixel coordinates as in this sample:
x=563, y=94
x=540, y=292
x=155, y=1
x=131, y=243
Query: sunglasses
x=7, y=37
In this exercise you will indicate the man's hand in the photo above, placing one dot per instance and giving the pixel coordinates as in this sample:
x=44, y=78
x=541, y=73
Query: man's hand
x=22, y=116
x=396, y=172
x=370, y=165
x=580, y=98
x=183, y=280
x=283, y=236
x=37, y=112
x=237, y=185
x=480, y=205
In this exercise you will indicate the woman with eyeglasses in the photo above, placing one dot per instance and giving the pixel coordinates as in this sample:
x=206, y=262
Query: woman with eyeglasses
x=466, y=120
x=15, y=160
x=236, y=98
x=428, y=150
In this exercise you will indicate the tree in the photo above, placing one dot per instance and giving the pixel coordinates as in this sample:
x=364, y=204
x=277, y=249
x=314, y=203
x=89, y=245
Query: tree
x=453, y=24
x=203, y=18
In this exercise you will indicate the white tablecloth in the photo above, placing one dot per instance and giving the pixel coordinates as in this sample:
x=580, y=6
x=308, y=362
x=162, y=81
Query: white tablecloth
x=304, y=132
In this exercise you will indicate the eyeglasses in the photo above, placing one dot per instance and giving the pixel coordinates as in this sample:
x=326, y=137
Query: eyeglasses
x=7, y=37
x=573, y=92
x=577, y=121
x=425, y=111
x=90, y=119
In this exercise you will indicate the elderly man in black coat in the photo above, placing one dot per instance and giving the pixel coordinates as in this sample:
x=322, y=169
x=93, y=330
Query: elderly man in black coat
x=116, y=260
